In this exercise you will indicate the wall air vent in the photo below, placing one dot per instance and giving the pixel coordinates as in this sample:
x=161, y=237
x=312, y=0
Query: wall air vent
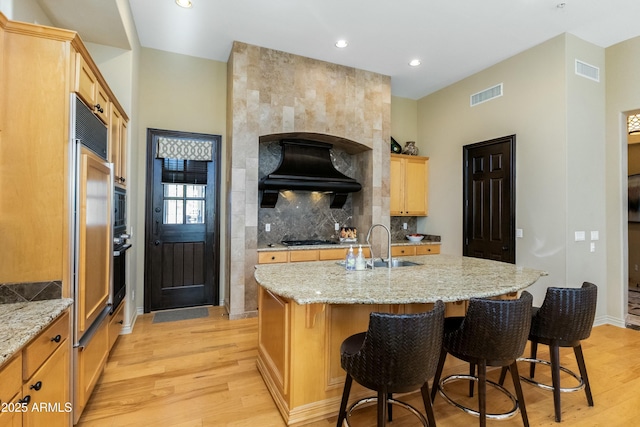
x=486, y=95
x=588, y=71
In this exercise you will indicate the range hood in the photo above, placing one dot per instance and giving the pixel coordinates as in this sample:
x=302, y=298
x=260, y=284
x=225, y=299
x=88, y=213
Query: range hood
x=306, y=166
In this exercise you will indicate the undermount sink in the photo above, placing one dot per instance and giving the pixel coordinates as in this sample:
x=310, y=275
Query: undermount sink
x=395, y=263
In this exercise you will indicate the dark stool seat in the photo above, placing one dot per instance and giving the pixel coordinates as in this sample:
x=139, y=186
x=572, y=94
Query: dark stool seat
x=397, y=354
x=564, y=320
x=493, y=333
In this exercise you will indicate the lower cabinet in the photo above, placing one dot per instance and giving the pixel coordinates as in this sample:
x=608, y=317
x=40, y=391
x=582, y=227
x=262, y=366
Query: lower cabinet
x=11, y=392
x=47, y=392
x=35, y=383
x=90, y=362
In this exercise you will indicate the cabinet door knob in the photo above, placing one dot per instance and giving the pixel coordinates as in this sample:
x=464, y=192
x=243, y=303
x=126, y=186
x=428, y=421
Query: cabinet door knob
x=57, y=338
x=121, y=322
x=37, y=386
x=25, y=399
x=273, y=257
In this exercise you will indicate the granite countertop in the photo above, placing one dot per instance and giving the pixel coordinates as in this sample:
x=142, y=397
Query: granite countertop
x=445, y=277
x=21, y=322
x=281, y=247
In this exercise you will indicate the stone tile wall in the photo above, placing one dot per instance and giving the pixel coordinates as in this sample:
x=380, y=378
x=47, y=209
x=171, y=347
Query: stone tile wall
x=273, y=92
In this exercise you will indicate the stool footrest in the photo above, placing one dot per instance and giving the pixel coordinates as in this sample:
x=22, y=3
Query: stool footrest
x=494, y=416
x=578, y=378
x=373, y=399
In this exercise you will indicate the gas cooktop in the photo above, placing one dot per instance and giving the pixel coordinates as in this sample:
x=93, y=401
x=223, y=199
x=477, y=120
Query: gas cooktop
x=307, y=242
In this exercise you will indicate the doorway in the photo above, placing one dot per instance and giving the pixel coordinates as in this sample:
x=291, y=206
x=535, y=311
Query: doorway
x=182, y=220
x=489, y=199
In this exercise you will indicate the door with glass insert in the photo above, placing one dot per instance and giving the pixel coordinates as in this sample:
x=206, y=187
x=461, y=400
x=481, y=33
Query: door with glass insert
x=182, y=226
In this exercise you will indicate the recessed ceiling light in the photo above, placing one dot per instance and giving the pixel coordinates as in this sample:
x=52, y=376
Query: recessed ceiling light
x=414, y=62
x=184, y=3
x=341, y=44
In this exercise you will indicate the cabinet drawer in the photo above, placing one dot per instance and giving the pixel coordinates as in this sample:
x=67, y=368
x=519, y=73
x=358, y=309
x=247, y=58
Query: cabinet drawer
x=403, y=250
x=427, y=249
x=331, y=254
x=45, y=344
x=296, y=256
x=115, y=325
x=272, y=257
x=11, y=379
x=49, y=386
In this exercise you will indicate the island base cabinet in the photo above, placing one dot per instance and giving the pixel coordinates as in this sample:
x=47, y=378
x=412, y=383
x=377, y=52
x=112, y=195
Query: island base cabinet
x=48, y=402
x=299, y=352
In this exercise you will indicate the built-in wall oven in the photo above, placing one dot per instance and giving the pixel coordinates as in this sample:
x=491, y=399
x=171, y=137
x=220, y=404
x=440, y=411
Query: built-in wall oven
x=120, y=246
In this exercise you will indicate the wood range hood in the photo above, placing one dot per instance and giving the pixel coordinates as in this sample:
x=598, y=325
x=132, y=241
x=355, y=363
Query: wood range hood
x=306, y=165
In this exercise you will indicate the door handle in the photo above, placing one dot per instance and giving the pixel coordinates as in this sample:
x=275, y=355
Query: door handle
x=157, y=243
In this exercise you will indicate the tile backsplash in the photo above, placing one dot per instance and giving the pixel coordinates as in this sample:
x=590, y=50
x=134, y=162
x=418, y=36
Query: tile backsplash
x=32, y=291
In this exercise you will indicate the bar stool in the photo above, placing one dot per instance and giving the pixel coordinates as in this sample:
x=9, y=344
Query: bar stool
x=397, y=354
x=493, y=333
x=564, y=320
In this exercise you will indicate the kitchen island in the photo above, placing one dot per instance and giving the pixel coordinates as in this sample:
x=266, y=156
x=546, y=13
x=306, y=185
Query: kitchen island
x=307, y=309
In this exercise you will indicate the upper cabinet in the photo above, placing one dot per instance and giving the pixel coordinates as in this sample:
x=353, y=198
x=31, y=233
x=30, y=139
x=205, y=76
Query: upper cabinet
x=39, y=69
x=118, y=145
x=90, y=90
x=409, y=185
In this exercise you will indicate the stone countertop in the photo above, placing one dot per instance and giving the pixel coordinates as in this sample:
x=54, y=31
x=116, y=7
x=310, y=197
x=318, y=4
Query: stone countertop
x=444, y=277
x=21, y=322
x=281, y=247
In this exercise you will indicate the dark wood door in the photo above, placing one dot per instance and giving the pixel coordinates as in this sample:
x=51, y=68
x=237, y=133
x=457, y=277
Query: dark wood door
x=181, y=268
x=489, y=200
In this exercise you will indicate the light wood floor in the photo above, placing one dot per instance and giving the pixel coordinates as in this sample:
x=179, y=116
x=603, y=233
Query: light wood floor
x=202, y=372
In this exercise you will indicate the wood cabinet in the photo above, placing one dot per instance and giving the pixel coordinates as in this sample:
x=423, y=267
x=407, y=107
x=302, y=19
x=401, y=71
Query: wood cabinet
x=409, y=185
x=39, y=68
x=11, y=392
x=272, y=257
x=411, y=250
x=90, y=363
x=35, y=384
x=89, y=88
x=115, y=325
x=118, y=145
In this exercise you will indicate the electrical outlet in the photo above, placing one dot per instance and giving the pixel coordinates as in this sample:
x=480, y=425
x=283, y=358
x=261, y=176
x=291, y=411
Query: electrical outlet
x=404, y=226
x=337, y=226
x=133, y=295
x=267, y=227
x=593, y=247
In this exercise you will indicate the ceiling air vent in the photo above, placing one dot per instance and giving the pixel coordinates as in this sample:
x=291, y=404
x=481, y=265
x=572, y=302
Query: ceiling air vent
x=486, y=95
x=588, y=71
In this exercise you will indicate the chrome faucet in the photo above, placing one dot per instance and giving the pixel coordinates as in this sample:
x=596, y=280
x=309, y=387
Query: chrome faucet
x=388, y=242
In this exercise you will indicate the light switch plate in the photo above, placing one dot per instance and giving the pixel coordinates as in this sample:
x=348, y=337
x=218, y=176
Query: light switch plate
x=595, y=235
x=519, y=232
x=580, y=236
x=267, y=227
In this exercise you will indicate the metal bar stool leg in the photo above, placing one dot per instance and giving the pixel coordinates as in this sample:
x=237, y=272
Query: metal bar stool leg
x=436, y=379
x=345, y=398
x=482, y=393
x=472, y=372
x=427, y=404
x=515, y=376
x=534, y=354
x=554, y=350
x=382, y=408
x=583, y=373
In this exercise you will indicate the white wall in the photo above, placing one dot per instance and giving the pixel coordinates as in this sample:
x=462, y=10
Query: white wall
x=182, y=93
x=544, y=106
x=623, y=95
x=25, y=11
